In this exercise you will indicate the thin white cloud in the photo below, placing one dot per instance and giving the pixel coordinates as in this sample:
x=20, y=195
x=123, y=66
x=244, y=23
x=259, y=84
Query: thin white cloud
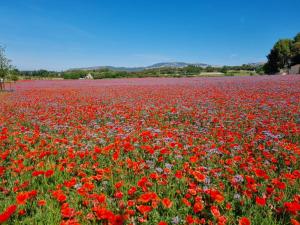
x=152, y=57
x=233, y=55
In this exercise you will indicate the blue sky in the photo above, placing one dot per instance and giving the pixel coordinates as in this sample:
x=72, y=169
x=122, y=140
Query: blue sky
x=61, y=34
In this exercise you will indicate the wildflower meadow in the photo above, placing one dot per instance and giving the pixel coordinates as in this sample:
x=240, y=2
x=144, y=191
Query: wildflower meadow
x=151, y=151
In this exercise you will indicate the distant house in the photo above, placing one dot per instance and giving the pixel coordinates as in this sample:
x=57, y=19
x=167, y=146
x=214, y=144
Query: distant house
x=284, y=71
x=295, y=69
x=87, y=77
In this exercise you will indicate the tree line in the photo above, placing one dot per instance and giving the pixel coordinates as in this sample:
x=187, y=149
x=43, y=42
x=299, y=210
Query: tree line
x=155, y=72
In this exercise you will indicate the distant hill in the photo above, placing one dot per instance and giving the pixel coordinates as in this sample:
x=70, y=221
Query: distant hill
x=154, y=66
x=175, y=65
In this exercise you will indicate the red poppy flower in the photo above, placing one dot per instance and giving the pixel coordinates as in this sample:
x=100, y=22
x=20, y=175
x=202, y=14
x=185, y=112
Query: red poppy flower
x=162, y=223
x=167, y=203
x=244, y=221
x=41, y=202
x=198, y=207
x=189, y=219
x=103, y=213
x=215, y=211
x=119, y=195
x=49, y=173
x=9, y=211
x=144, y=209
x=22, y=198
x=199, y=176
x=132, y=190
x=22, y=212
x=147, y=197
x=66, y=211
x=292, y=207
x=260, y=201
x=295, y=222
x=101, y=198
x=59, y=195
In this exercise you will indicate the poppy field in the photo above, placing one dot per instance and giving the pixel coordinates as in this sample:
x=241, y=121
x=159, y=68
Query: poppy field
x=151, y=151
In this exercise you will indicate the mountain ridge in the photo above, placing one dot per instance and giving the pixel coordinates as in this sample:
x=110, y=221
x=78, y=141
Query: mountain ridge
x=154, y=66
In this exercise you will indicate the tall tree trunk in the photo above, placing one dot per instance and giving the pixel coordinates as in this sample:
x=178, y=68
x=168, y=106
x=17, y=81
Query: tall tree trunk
x=2, y=85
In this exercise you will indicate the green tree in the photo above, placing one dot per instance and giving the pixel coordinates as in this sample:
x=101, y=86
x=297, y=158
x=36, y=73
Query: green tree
x=191, y=69
x=279, y=57
x=4, y=67
x=297, y=38
x=209, y=69
x=14, y=77
x=260, y=69
x=13, y=74
x=295, y=50
x=224, y=69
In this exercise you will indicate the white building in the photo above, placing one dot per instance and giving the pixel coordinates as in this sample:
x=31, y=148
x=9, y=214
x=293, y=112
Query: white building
x=295, y=69
x=89, y=77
